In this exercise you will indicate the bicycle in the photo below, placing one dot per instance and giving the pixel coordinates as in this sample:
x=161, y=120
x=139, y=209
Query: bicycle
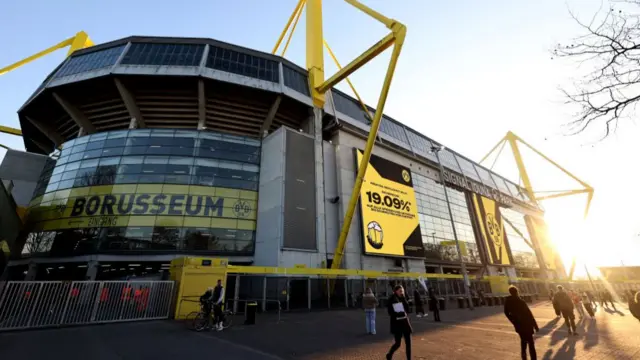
x=200, y=321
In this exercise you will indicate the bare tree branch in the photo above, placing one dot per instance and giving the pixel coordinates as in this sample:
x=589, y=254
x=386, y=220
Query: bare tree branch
x=610, y=49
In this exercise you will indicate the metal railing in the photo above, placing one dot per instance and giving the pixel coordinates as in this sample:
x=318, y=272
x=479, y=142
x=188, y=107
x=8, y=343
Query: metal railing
x=36, y=304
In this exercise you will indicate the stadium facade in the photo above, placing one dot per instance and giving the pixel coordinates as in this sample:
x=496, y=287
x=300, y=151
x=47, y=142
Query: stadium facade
x=165, y=147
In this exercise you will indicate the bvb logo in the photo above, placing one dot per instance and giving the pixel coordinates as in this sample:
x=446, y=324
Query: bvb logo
x=241, y=208
x=374, y=235
x=405, y=176
x=495, y=232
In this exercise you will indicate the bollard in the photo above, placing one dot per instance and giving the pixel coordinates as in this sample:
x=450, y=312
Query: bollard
x=443, y=303
x=250, y=313
x=461, y=302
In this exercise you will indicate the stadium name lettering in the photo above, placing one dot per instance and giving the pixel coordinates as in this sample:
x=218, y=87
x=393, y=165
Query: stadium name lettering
x=477, y=188
x=145, y=204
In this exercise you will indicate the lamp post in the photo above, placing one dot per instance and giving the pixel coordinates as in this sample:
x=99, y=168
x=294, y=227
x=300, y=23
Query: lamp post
x=436, y=150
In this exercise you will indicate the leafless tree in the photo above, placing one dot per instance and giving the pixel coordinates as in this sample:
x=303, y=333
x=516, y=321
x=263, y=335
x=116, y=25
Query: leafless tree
x=609, y=49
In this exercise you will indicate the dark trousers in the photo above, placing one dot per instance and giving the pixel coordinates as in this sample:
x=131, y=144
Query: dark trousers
x=217, y=313
x=527, y=339
x=396, y=345
x=436, y=313
x=569, y=319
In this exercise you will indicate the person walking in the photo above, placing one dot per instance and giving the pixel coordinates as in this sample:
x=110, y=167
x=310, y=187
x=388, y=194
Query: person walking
x=398, y=308
x=586, y=301
x=592, y=300
x=417, y=300
x=634, y=306
x=369, y=302
x=609, y=298
x=436, y=306
x=519, y=314
x=577, y=302
x=563, y=302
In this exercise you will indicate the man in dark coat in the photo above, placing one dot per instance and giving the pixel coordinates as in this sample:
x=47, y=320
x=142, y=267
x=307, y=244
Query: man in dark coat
x=398, y=310
x=563, y=302
x=436, y=306
x=518, y=312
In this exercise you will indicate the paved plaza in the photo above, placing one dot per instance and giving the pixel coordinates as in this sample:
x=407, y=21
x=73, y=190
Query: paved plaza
x=481, y=334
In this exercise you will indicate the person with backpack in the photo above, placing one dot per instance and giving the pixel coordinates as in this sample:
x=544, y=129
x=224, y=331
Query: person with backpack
x=562, y=301
x=519, y=314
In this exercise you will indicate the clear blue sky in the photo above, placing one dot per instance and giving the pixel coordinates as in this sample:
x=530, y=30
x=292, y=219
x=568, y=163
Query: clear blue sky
x=470, y=71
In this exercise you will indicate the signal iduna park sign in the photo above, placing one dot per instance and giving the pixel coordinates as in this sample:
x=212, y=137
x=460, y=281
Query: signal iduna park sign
x=390, y=224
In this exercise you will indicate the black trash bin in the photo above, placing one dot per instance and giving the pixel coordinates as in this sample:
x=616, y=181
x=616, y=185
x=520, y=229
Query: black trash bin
x=443, y=304
x=503, y=299
x=250, y=314
x=461, y=302
x=489, y=300
x=476, y=301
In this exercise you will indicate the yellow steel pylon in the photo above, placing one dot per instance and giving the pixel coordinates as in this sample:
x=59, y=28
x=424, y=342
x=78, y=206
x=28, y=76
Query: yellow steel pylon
x=79, y=41
x=514, y=140
x=319, y=86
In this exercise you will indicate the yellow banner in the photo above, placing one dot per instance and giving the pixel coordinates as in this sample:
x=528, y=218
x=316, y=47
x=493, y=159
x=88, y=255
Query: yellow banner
x=145, y=205
x=492, y=228
x=538, y=229
x=390, y=223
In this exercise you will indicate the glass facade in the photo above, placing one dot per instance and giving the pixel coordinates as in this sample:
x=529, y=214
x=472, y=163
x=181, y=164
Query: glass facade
x=518, y=237
x=163, y=54
x=242, y=64
x=148, y=190
x=436, y=225
x=91, y=61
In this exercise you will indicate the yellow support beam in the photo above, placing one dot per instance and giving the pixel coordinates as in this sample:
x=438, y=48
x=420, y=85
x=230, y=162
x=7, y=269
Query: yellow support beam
x=353, y=88
x=286, y=27
x=10, y=130
x=513, y=141
x=293, y=29
x=318, y=86
x=315, y=53
x=79, y=41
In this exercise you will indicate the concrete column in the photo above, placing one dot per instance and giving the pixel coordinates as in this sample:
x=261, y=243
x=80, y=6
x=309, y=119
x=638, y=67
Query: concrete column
x=346, y=293
x=32, y=272
x=236, y=292
x=92, y=270
x=133, y=124
x=288, y=291
x=309, y=293
x=320, y=197
x=264, y=294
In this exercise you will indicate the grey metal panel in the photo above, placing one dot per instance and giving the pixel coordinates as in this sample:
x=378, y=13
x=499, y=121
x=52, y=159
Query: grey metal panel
x=299, y=193
x=485, y=175
x=449, y=160
x=10, y=223
x=467, y=168
x=502, y=186
x=270, y=200
x=421, y=145
x=20, y=165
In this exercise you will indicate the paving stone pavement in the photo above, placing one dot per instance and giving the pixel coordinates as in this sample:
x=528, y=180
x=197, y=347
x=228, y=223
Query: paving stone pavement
x=481, y=334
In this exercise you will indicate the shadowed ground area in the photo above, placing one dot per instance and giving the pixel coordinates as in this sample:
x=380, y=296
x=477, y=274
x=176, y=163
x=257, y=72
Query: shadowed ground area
x=481, y=334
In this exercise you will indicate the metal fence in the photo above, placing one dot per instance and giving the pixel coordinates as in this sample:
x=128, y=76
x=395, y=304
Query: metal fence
x=35, y=304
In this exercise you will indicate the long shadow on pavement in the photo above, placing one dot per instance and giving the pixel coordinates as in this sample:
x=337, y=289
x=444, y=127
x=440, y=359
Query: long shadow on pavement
x=305, y=334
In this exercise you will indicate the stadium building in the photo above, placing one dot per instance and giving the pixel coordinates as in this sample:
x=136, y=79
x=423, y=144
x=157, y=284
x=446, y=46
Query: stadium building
x=158, y=148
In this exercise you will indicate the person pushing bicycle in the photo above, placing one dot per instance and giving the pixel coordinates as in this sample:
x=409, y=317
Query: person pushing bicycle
x=213, y=298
